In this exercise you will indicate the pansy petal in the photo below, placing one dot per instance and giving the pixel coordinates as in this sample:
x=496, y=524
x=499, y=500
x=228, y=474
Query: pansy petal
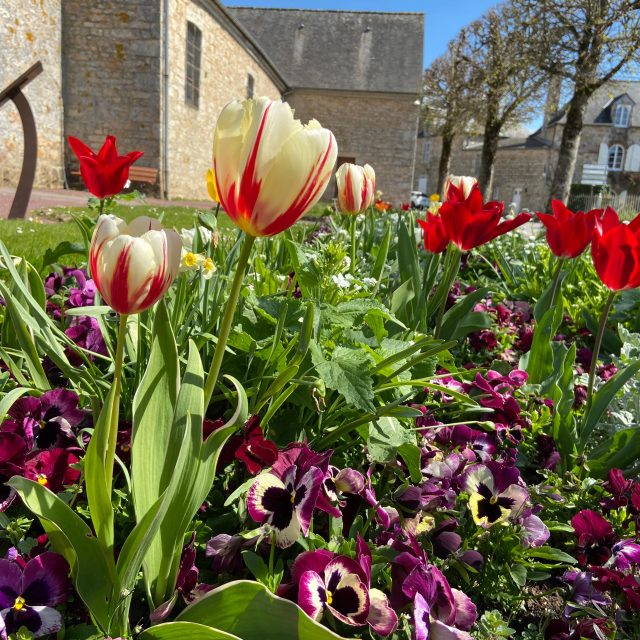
x=345, y=580
x=350, y=601
x=382, y=618
x=441, y=631
x=310, y=561
x=312, y=594
x=536, y=532
x=349, y=481
x=286, y=536
x=265, y=487
x=479, y=475
x=10, y=583
x=466, y=611
x=307, y=490
x=421, y=618
x=45, y=580
x=40, y=621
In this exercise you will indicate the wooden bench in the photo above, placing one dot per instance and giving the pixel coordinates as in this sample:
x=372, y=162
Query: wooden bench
x=136, y=174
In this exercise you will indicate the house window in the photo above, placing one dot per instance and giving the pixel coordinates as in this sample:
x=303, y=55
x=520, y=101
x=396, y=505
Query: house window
x=250, y=83
x=616, y=156
x=192, y=72
x=621, y=116
x=426, y=150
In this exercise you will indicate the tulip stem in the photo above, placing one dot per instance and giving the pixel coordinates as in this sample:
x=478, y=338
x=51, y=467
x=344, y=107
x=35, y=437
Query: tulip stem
x=451, y=268
x=598, y=343
x=115, y=408
x=227, y=319
x=556, y=282
x=352, y=232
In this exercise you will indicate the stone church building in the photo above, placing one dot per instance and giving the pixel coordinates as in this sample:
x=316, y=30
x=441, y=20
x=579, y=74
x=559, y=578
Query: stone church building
x=524, y=166
x=156, y=74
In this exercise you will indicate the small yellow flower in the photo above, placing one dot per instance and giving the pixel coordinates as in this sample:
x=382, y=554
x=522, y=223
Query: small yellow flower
x=189, y=260
x=211, y=185
x=434, y=197
x=208, y=268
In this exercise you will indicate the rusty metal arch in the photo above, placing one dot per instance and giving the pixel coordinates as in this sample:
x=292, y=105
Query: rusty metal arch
x=30, y=155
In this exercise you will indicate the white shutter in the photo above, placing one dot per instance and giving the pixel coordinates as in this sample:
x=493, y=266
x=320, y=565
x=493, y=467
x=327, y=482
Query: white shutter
x=632, y=163
x=603, y=154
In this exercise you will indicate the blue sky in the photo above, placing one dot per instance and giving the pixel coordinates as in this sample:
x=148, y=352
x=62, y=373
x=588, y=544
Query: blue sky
x=444, y=18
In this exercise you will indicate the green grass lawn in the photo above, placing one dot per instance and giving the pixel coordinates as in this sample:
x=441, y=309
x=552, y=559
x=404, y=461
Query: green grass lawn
x=31, y=240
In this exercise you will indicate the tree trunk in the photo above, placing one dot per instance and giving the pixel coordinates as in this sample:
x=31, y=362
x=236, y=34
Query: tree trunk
x=488, y=155
x=445, y=159
x=569, y=145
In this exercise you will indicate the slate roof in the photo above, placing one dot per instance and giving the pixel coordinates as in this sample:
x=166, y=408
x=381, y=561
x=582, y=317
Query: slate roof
x=346, y=50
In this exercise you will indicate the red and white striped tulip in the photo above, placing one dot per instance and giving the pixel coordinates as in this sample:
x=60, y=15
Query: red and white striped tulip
x=356, y=187
x=133, y=264
x=270, y=169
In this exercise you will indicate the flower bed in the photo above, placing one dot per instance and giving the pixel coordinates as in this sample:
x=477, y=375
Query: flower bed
x=367, y=425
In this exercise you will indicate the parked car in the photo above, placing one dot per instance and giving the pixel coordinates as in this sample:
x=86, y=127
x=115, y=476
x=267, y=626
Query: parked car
x=419, y=200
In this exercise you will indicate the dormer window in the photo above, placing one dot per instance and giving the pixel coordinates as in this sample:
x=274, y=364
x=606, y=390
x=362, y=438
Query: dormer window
x=621, y=115
x=616, y=157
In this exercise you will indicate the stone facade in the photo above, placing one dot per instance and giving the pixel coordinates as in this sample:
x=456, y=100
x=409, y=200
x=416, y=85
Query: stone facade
x=225, y=66
x=120, y=67
x=30, y=31
x=369, y=128
x=524, y=167
x=111, y=73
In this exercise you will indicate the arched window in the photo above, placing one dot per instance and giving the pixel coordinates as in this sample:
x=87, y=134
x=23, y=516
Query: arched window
x=616, y=156
x=621, y=115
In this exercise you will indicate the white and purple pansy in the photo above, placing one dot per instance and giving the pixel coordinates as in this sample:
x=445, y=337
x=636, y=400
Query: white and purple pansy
x=340, y=589
x=286, y=505
x=493, y=499
x=382, y=618
x=27, y=594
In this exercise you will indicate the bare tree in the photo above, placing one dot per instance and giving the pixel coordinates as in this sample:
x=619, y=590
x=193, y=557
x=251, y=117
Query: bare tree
x=446, y=104
x=502, y=51
x=588, y=42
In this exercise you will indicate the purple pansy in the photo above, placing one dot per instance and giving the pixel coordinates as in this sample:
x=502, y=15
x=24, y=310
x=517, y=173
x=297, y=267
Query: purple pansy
x=625, y=553
x=286, y=505
x=494, y=495
x=339, y=589
x=46, y=421
x=52, y=469
x=381, y=618
x=28, y=594
x=595, y=537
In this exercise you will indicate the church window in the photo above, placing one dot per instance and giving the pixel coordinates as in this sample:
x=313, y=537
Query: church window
x=621, y=117
x=192, y=72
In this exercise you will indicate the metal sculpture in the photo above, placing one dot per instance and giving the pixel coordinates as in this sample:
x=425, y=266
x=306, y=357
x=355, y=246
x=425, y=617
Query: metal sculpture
x=30, y=154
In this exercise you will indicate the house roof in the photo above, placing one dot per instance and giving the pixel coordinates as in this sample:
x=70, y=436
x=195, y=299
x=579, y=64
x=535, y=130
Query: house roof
x=343, y=50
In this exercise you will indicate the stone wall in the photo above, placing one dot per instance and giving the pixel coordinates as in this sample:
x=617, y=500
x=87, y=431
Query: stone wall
x=30, y=31
x=379, y=129
x=112, y=75
x=226, y=61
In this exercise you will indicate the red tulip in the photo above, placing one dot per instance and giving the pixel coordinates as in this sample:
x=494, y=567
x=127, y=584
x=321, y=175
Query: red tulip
x=568, y=233
x=105, y=173
x=463, y=186
x=615, y=250
x=435, y=238
x=469, y=223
